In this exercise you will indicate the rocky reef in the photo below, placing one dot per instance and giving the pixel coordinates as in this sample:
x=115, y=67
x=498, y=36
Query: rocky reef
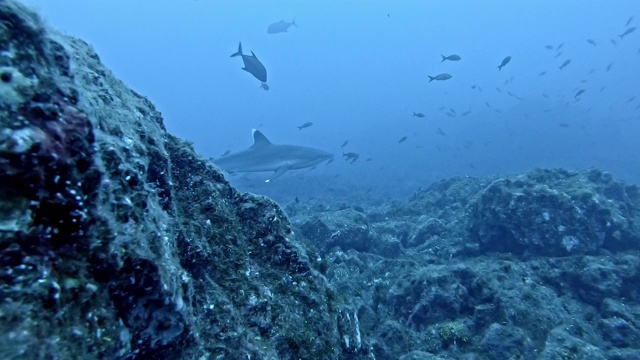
x=118, y=241
x=543, y=265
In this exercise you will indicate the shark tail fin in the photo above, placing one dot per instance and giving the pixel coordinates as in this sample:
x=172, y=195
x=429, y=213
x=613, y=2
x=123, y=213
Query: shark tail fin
x=431, y=78
x=443, y=58
x=239, y=52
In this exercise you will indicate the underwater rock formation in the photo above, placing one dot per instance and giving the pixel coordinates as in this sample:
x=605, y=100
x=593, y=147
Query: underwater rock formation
x=118, y=241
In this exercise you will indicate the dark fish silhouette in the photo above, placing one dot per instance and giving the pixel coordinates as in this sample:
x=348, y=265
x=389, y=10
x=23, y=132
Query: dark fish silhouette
x=440, y=77
x=504, y=62
x=592, y=42
x=564, y=64
x=450, y=58
x=253, y=66
x=350, y=156
x=627, y=32
x=345, y=143
x=629, y=21
x=305, y=125
x=420, y=115
x=580, y=92
x=280, y=27
x=403, y=139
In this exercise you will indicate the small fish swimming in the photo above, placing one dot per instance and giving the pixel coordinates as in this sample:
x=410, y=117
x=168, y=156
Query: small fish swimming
x=350, y=156
x=542, y=73
x=440, y=132
x=549, y=47
x=609, y=66
x=305, y=125
x=558, y=54
x=420, y=115
x=253, y=66
x=226, y=153
x=403, y=139
x=280, y=26
x=439, y=77
x=627, y=32
x=504, y=62
x=450, y=58
x=345, y=143
x=580, y=92
x=564, y=64
x=592, y=42
x=466, y=113
x=559, y=46
x=614, y=42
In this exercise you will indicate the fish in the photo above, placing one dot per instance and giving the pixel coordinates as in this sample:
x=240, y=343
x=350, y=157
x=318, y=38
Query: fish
x=226, y=153
x=450, y=58
x=631, y=99
x=263, y=155
x=627, y=32
x=614, y=42
x=253, y=66
x=580, y=92
x=403, y=139
x=558, y=54
x=629, y=21
x=305, y=125
x=549, y=47
x=450, y=114
x=542, y=73
x=592, y=42
x=440, y=132
x=350, y=156
x=420, y=115
x=345, y=143
x=559, y=46
x=498, y=89
x=504, y=62
x=443, y=76
x=564, y=64
x=280, y=27
x=466, y=113
x=564, y=125
x=487, y=103
x=609, y=66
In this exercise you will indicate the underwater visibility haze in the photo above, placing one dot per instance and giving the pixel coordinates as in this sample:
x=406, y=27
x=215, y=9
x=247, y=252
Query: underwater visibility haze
x=359, y=70
x=358, y=180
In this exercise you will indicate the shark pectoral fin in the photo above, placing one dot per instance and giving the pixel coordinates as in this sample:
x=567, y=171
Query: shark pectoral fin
x=278, y=173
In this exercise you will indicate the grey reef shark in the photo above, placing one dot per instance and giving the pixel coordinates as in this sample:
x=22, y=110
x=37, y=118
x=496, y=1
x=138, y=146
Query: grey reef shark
x=263, y=155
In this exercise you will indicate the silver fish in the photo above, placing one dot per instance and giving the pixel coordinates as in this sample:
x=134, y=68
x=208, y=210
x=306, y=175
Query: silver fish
x=504, y=62
x=450, y=58
x=280, y=27
x=564, y=64
x=627, y=32
x=253, y=66
x=440, y=77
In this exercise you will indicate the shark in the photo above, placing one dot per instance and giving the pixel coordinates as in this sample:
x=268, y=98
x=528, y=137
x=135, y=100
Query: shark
x=264, y=155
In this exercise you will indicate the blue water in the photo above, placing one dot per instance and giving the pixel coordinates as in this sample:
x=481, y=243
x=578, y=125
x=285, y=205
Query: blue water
x=359, y=69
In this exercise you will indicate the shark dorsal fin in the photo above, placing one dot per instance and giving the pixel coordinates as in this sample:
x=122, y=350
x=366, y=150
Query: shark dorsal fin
x=259, y=139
